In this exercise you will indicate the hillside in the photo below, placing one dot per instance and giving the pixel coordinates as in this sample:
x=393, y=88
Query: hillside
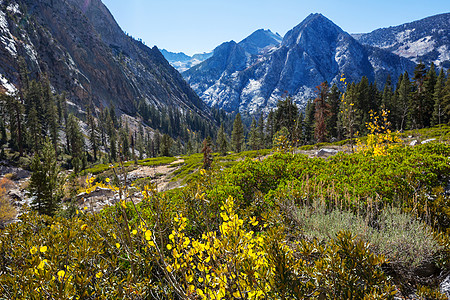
x=425, y=40
x=324, y=227
x=84, y=52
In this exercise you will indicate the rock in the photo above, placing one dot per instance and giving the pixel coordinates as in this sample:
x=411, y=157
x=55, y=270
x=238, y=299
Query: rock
x=326, y=152
x=445, y=286
x=427, y=141
x=413, y=143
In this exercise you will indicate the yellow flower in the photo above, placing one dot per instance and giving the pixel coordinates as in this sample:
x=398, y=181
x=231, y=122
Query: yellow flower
x=107, y=180
x=118, y=245
x=85, y=208
x=33, y=250
x=169, y=268
x=42, y=264
x=253, y=221
x=202, y=172
x=84, y=226
x=134, y=232
x=43, y=249
x=148, y=235
x=99, y=274
x=169, y=246
x=61, y=274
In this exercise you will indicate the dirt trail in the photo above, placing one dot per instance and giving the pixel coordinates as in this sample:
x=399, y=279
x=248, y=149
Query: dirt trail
x=160, y=175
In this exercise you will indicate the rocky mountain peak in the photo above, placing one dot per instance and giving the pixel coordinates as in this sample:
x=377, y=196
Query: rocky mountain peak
x=259, y=40
x=313, y=27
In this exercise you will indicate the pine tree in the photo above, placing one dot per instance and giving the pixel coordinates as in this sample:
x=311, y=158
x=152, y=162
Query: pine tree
x=221, y=141
x=308, y=123
x=286, y=115
x=261, y=135
x=45, y=182
x=270, y=129
x=75, y=142
x=438, y=116
x=403, y=100
x=166, y=144
x=334, y=99
x=207, y=154
x=429, y=84
x=92, y=131
x=253, y=138
x=322, y=112
x=237, y=135
x=417, y=107
x=446, y=99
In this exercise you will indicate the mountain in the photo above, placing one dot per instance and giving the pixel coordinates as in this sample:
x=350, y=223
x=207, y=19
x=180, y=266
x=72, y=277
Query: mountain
x=426, y=40
x=84, y=52
x=314, y=51
x=183, y=62
x=259, y=41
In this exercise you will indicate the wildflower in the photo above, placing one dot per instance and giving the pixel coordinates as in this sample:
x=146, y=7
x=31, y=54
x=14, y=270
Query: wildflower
x=253, y=221
x=118, y=245
x=134, y=232
x=61, y=274
x=42, y=264
x=169, y=247
x=33, y=250
x=43, y=249
x=99, y=274
x=83, y=227
x=107, y=180
x=148, y=235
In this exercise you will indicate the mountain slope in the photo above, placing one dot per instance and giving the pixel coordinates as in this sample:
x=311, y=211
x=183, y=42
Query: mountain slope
x=426, y=40
x=85, y=53
x=314, y=51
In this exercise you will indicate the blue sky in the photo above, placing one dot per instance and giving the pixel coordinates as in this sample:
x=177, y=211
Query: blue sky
x=196, y=26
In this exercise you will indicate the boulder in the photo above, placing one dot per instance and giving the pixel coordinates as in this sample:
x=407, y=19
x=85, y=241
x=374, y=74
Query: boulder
x=445, y=286
x=326, y=152
x=413, y=143
x=427, y=141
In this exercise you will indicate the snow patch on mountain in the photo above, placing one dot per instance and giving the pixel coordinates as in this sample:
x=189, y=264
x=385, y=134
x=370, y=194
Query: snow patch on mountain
x=10, y=88
x=6, y=37
x=413, y=50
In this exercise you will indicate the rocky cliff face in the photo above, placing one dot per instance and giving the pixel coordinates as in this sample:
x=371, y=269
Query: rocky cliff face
x=85, y=53
x=426, y=40
x=316, y=50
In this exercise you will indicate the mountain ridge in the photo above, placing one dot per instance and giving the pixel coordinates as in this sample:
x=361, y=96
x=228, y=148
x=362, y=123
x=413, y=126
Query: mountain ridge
x=314, y=51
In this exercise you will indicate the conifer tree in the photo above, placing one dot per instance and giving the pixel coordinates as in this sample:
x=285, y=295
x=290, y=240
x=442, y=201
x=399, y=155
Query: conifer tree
x=438, y=116
x=322, y=112
x=429, y=84
x=75, y=142
x=166, y=144
x=417, y=107
x=253, y=138
x=333, y=100
x=270, y=129
x=403, y=100
x=221, y=141
x=207, y=153
x=93, y=132
x=261, y=135
x=308, y=123
x=237, y=135
x=46, y=182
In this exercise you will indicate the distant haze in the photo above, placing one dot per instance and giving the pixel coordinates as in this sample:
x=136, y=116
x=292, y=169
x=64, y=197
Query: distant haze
x=198, y=26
